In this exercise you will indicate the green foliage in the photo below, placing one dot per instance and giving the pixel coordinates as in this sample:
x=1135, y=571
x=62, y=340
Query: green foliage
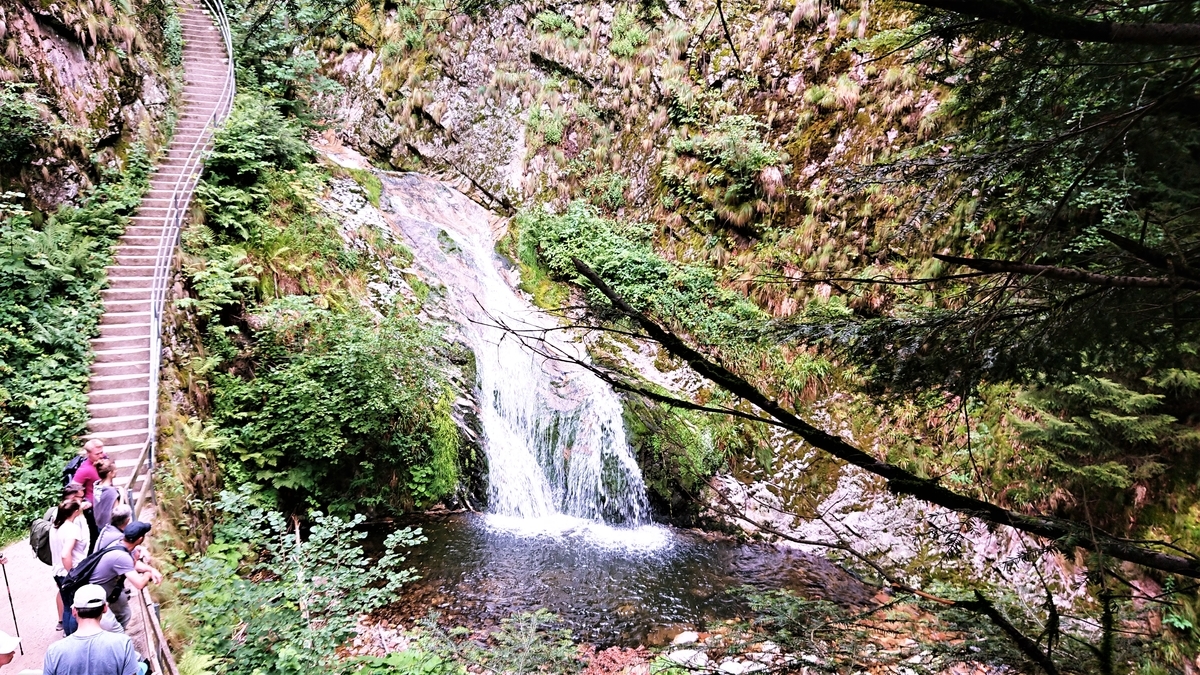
x=409, y=662
x=340, y=413
x=627, y=35
x=550, y=22
x=686, y=295
x=21, y=125
x=218, y=280
x=172, y=37
x=274, y=47
x=267, y=601
x=523, y=644
x=607, y=190
x=1098, y=438
x=549, y=124
x=50, y=280
x=257, y=137
x=369, y=182
x=678, y=451
x=722, y=168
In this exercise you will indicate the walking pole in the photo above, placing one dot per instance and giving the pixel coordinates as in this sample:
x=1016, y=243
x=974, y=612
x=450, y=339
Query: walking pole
x=14, y=609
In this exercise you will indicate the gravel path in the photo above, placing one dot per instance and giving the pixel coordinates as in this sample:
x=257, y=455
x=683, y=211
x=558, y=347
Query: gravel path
x=33, y=591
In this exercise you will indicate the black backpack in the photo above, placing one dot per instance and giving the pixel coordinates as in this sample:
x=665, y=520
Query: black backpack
x=81, y=574
x=71, y=467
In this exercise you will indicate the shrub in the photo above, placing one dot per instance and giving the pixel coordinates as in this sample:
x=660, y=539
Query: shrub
x=50, y=281
x=266, y=600
x=340, y=413
x=21, y=125
x=627, y=35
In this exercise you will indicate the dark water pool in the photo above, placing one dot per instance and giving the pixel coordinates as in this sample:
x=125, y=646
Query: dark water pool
x=611, y=587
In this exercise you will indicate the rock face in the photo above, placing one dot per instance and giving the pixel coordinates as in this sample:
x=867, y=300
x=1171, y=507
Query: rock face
x=97, y=80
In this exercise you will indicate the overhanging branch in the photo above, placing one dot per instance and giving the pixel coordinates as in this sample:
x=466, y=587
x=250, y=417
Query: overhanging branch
x=1041, y=21
x=1069, y=274
x=1065, y=533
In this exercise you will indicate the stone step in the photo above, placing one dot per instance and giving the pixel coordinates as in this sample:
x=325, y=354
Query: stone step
x=132, y=281
x=118, y=423
x=127, y=329
x=107, y=382
x=131, y=272
x=117, y=318
x=120, y=305
x=120, y=436
x=121, y=342
x=119, y=394
x=128, y=240
x=137, y=260
x=133, y=354
x=121, y=368
x=117, y=409
x=132, y=292
x=144, y=226
x=128, y=452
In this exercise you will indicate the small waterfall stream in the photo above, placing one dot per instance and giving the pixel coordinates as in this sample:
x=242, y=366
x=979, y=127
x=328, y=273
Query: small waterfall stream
x=553, y=433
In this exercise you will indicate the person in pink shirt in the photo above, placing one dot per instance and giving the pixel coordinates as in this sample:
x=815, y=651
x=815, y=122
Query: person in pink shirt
x=87, y=476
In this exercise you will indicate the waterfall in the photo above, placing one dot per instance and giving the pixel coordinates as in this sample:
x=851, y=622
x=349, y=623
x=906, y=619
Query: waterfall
x=552, y=431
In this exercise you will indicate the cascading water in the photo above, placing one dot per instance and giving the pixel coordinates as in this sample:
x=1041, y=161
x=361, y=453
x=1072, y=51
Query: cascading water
x=553, y=432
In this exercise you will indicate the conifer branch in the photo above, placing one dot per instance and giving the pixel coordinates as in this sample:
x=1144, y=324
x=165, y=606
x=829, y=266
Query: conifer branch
x=1067, y=534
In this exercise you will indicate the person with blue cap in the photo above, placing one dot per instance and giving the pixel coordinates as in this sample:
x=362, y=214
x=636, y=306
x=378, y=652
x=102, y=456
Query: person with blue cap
x=118, y=566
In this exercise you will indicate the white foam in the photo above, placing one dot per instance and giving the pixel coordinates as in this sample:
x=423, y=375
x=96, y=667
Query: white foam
x=642, y=538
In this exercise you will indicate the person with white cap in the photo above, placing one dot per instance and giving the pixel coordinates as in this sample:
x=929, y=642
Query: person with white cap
x=91, y=650
x=8, y=648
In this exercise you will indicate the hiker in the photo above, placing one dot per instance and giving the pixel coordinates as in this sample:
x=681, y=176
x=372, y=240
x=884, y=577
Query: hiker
x=118, y=566
x=87, y=476
x=68, y=546
x=115, y=530
x=91, y=650
x=8, y=645
x=107, y=494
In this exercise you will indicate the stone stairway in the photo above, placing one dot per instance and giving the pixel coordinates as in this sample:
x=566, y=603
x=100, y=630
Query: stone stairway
x=123, y=382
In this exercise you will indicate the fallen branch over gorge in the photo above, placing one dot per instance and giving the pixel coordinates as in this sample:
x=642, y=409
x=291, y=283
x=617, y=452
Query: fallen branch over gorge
x=1067, y=534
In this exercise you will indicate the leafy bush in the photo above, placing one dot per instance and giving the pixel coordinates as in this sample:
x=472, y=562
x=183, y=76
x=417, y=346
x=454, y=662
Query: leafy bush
x=550, y=22
x=256, y=137
x=686, y=295
x=267, y=601
x=627, y=35
x=340, y=413
x=21, y=125
x=723, y=168
x=172, y=38
x=607, y=190
x=50, y=305
x=530, y=642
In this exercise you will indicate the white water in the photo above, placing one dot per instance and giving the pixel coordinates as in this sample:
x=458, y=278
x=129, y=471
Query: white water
x=555, y=442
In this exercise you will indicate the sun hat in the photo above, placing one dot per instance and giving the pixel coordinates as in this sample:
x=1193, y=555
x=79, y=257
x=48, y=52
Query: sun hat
x=8, y=643
x=89, y=597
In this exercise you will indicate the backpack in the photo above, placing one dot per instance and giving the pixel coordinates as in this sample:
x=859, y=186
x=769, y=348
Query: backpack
x=39, y=539
x=71, y=467
x=81, y=575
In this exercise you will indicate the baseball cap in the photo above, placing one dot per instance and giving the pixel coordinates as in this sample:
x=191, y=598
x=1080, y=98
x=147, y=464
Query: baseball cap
x=8, y=643
x=89, y=596
x=136, y=530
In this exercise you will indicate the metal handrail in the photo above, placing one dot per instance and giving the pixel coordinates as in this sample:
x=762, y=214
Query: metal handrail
x=181, y=198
